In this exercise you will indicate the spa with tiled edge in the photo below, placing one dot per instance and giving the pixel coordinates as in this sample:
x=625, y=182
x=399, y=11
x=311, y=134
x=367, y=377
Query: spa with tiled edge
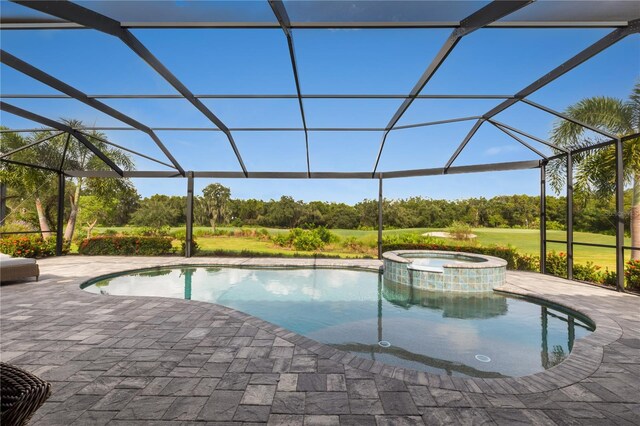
x=444, y=270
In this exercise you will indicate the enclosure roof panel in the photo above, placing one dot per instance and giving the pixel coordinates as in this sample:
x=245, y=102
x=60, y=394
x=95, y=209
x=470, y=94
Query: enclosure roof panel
x=332, y=13
x=311, y=88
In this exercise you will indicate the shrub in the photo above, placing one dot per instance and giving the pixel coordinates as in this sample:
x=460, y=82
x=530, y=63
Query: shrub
x=527, y=262
x=109, y=232
x=282, y=240
x=354, y=244
x=79, y=235
x=632, y=274
x=557, y=264
x=126, y=245
x=553, y=225
x=460, y=231
x=308, y=241
x=195, y=248
x=609, y=278
x=252, y=253
x=325, y=235
x=587, y=272
x=29, y=246
x=304, y=239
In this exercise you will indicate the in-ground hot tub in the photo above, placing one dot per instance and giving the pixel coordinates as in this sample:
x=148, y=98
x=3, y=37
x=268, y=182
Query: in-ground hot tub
x=444, y=270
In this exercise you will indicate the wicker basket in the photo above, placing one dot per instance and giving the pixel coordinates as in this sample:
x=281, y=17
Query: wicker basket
x=21, y=394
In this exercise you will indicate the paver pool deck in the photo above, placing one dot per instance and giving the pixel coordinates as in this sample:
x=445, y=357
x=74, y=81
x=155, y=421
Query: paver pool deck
x=151, y=360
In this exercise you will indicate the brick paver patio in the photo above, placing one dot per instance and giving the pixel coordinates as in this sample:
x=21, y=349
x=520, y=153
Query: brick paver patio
x=144, y=360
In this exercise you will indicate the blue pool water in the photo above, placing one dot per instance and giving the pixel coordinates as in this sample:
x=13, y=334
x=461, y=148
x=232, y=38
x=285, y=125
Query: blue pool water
x=488, y=335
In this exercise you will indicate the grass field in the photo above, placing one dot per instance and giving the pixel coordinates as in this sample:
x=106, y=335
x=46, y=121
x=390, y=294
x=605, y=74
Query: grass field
x=525, y=240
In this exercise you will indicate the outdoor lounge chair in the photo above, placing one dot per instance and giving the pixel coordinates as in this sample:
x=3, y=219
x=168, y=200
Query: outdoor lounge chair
x=21, y=394
x=17, y=268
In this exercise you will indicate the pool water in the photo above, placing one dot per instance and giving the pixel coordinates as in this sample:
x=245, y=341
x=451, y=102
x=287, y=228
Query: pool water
x=488, y=335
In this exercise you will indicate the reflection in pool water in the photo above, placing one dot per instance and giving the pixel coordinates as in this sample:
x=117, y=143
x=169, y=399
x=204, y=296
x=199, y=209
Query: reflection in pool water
x=453, y=305
x=355, y=310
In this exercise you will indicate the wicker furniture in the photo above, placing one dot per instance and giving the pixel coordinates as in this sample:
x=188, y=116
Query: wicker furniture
x=12, y=268
x=21, y=394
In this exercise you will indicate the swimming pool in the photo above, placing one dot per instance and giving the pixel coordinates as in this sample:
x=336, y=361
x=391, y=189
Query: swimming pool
x=481, y=335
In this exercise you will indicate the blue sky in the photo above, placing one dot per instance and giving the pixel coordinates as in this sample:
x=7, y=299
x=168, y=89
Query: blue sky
x=488, y=61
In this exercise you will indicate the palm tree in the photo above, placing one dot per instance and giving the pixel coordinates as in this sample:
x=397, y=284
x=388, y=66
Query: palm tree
x=596, y=169
x=35, y=182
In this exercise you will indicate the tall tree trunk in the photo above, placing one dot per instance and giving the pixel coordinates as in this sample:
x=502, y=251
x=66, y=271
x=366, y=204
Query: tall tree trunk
x=44, y=223
x=73, y=215
x=635, y=217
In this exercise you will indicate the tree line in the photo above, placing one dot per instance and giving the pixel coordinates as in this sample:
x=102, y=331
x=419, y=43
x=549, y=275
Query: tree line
x=121, y=205
x=506, y=211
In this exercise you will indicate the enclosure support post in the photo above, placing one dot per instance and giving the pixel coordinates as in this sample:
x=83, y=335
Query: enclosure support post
x=60, y=217
x=380, y=218
x=619, y=217
x=544, y=350
x=543, y=217
x=3, y=202
x=569, y=216
x=189, y=232
x=571, y=332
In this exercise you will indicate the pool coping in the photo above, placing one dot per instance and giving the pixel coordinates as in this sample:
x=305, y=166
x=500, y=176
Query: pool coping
x=582, y=361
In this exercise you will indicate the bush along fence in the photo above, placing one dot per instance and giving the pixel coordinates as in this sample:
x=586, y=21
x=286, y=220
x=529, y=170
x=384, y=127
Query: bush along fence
x=29, y=246
x=590, y=272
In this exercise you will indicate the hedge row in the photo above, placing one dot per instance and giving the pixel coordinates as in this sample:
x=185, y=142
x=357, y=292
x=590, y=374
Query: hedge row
x=126, y=245
x=557, y=265
x=632, y=274
x=29, y=246
x=254, y=253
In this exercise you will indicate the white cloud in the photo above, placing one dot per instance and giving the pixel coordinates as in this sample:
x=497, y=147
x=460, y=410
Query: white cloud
x=495, y=150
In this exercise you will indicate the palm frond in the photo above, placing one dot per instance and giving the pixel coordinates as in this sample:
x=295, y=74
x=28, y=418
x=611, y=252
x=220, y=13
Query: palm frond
x=595, y=170
x=605, y=113
x=634, y=104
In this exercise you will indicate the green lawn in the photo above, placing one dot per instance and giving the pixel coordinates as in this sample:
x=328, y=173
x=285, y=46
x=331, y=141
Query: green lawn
x=525, y=240
x=528, y=241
